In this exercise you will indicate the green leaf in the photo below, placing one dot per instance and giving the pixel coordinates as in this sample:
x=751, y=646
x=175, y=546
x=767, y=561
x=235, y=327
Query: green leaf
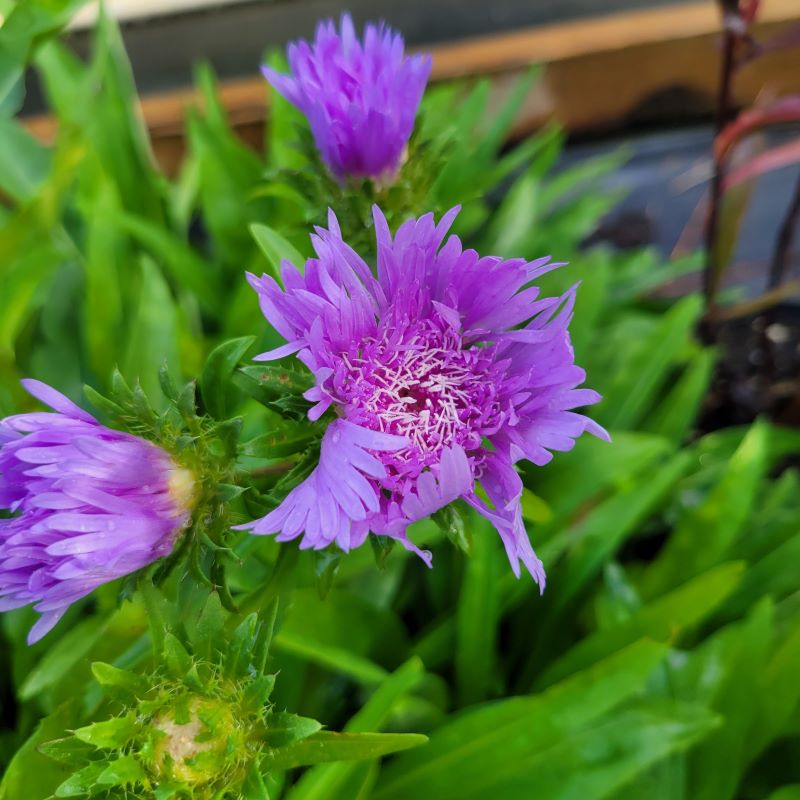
x=335, y=658
x=780, y=693
x=283, y=728
x=675, y=415
x=187, y=270
x=289, y=439
x=664, y=619
x=30, y=773
x=81, y=782
x=594, y=762
x=25, y=280
x=786, y=793
x=67, y=750
x=325, y=747
x=451, y=523
x=153, y=336
x=217, y=373
x=114, y=126
x=706, y=532
x=106, y=256
x=122, y=772
x=474, y=746
x=269, y=383
x=254, y=787
x=478, y=614
x=176, y=658
x=326, y=568
x=258, y=691
x=327, y=781
x=734, y=700
x=239, y=654
x=229, y=172
x=26, y=25
x=604, y=529
x=24, y=162
x=111, y=734
x=637, y=383
x=62, y=657
x=120, y=683
x=210, y=627
x=276, y=249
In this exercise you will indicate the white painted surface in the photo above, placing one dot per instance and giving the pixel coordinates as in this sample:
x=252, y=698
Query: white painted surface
x=141, y=9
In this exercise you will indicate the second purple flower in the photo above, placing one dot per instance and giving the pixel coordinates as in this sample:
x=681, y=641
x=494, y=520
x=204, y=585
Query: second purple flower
x=360, y=98
x=444, y=370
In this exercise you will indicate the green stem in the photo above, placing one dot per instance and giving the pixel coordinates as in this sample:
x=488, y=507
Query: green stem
x=154, y=606
x=278, y=582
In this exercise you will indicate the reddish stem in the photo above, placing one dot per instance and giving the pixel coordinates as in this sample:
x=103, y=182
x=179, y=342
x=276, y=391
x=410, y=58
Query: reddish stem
x=723, y=112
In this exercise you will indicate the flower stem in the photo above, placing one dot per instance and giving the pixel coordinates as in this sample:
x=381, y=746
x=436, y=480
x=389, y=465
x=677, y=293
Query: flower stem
x=711, y=271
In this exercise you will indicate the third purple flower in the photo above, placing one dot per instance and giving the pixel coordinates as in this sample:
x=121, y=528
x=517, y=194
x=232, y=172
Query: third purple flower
x=444, y=370
x=360, y=97
x=88, y=505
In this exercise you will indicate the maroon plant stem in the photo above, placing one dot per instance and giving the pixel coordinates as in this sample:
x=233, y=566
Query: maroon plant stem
x=723, y=112
x=783, y=246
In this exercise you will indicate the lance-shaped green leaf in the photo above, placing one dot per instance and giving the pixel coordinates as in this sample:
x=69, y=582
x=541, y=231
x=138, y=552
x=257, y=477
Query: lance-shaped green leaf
x=110, y=733
x=674, y=416
x=240, y=652
x=125, y=771
x=786, y=793
x=24, y=162
x=283, y=728
x=637, y=383
x=153, y=335
x=270, y=382
x=119, y=683
x=67, y=750
x=335, y=658
x=81, y=782
x=663, y=619
x=62, y=657
x=26, y=25
x=217, y=373
x=705, y=533
x=257, y=692
x=329, y=781
x=478, y=614
x=326, y=746
x=186, y=269
x=593, y=762
x=280, y=442
x=276, y=249
x=176, y=658
x=504, y=735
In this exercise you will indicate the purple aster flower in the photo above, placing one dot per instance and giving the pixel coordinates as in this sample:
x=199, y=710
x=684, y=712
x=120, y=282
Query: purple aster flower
x=444, y=371
x=88, y=505
x=360, y=98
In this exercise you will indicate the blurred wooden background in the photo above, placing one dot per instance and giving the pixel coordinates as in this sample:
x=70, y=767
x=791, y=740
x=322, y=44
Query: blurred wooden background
x=599, y=73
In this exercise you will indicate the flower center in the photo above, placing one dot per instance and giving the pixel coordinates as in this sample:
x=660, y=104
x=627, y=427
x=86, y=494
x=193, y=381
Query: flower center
x=420, y=383
x=181, y=488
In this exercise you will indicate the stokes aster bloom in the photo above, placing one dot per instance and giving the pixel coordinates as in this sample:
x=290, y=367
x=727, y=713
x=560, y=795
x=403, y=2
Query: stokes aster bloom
x=88, y=504
x=360, y=99
x=445, y=369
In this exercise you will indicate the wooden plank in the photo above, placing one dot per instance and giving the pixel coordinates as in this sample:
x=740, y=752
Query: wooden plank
x=598, y=73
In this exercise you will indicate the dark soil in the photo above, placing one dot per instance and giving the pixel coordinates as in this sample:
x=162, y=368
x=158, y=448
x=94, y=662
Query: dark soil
x=758, y=372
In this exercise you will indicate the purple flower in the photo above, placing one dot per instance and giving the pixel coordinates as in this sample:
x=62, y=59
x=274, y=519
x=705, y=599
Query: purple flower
x=88, y=505
x=444, y=371
x=360, y=99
